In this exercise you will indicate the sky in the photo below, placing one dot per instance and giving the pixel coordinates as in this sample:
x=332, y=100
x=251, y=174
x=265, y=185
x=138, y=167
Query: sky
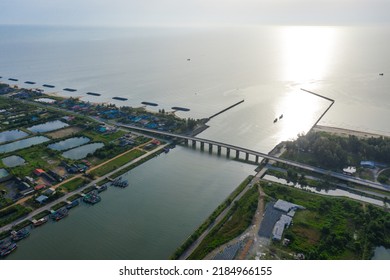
x=194, y=12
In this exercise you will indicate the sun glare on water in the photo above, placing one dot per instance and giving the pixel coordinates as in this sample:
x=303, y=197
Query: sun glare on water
x=306, y=53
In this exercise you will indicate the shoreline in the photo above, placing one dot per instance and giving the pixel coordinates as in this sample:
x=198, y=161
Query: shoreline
x=345, y=132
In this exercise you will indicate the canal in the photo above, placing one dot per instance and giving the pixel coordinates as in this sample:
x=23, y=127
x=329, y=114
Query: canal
x=142, y=220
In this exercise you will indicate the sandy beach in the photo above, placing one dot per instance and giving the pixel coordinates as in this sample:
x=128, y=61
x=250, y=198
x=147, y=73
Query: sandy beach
x=346, y=132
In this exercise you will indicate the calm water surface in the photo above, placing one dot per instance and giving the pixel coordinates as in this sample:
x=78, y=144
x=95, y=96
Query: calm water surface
x=82, y=151
x=141, y=221
x=13, y=161
x=11, y=135
x=21, y=144
x=48, y=126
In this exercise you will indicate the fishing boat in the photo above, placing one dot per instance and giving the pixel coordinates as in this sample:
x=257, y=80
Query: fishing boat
x=92, y=198
x=74, y=203
x=275, y=120
x=7, y=249
x=19, y=235
x=39, y=222
x=60, y=214
x=281, y=116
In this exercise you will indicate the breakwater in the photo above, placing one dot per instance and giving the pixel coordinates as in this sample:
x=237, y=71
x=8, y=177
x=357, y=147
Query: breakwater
x=327, y=109
x=226, y=109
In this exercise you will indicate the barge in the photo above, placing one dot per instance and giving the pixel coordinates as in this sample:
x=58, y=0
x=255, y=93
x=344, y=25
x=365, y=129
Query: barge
x=7, y=249
x=37, y=223
x=180, y=109
x=93, y=93
x=29, y=82
x=48, y=86
x=70, y=89
x=119, y=98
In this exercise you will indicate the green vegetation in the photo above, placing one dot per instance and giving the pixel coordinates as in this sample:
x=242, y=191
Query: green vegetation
x=41, y=214
x=74, y=184
x=106, y=138
x=114, y=164
x=384, y=177
x=210, y=220
x=134, y=165
x=12, y=213
x=22, y=225
x=235, y=222
x=335, y=152
x=332, y=228
x=74, y=197
x=59, y=205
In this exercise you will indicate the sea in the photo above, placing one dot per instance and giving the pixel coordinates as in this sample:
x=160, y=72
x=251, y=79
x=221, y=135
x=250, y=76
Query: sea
x=205, y=69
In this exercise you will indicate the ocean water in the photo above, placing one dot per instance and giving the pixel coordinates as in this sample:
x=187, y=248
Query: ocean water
x=206, y=70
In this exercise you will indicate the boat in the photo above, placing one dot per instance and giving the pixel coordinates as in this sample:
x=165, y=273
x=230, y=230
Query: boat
x=275, y=120
x=74, y=203
x=92, y=198
x=281, y=116
x=19, y=235
x=29, y=82
x=60, y=214
x=380, y=74
x=180, y=109
x=13, y=79
x=119, y=98
x=39, y=222
x=7, y=249
x=70, y=89
x=48, y=86
x=93, y=93
x=101, y=188
x=149, y=103
x=166, y=150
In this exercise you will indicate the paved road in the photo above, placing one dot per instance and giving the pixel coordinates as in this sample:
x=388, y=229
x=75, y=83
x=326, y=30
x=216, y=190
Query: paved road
x=65, y=197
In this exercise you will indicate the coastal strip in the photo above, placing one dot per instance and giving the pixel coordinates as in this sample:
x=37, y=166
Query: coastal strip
x=228, y=108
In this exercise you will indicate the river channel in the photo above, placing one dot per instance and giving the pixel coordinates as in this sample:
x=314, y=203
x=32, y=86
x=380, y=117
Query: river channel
x=141, y=221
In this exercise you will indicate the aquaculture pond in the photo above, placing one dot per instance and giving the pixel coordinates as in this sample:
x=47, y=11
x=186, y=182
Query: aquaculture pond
x=21, y=144
x=11, y=135
x=69, y=143
x=82, y=151
x=3, y=173
x=48, y=126
x=13, y=161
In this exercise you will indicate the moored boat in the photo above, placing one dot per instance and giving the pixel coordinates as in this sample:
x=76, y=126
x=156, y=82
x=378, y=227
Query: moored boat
x=60, y=214
x=7, y=249
x=92, y=198
x=19, y=235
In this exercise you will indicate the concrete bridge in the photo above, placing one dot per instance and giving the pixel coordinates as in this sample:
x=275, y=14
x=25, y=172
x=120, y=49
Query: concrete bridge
x=211, y=144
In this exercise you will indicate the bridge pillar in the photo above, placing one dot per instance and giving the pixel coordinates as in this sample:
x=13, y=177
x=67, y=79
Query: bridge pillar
x=246, y=156
x=257, y=159
x=219, y=150
x=237, y=153
x=186, y=142
x=227, y=152
x=202, y=146
x=193, y=143
x=210, y=148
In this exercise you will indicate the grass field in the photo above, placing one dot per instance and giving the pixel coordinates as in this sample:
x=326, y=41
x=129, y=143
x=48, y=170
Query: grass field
x=74, y=184
x=236, y=222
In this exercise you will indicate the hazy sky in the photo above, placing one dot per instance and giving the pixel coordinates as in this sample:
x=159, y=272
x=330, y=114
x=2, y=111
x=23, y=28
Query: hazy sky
x=194, y=12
